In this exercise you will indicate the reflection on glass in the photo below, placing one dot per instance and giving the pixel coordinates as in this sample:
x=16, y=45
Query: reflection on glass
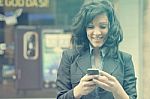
x=30, y=45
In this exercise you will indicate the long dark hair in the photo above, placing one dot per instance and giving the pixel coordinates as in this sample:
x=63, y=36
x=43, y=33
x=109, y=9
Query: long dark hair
x=86, y=14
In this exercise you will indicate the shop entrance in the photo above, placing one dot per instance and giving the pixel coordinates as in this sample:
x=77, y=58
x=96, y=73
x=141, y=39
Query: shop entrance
x=28, y=58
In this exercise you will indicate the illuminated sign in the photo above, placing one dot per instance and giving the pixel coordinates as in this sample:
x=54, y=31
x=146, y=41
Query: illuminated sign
x=57, y=40
x=25, y=3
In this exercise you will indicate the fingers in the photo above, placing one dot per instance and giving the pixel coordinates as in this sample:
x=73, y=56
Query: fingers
x=102, y=84
x=89, y=84
x=106, y=81
x=86, y=85
x=107, y=78
x=102, y=78
x=88, y=77
x=87, y=80
x=110, y=77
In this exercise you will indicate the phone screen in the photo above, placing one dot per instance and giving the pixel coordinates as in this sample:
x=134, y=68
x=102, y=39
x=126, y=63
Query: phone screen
x=92, y=71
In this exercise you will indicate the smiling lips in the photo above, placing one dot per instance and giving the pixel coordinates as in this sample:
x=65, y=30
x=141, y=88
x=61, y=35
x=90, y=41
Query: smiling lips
x=97, y=37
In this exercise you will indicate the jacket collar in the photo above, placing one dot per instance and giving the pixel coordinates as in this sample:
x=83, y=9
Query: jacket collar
x=84, y=62
x=102, y=50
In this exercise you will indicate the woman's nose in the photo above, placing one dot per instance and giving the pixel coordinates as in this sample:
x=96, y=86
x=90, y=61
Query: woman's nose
x=96, y=31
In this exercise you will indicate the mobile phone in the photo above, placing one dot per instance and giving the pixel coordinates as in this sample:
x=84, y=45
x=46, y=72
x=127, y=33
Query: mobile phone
x=92, y=71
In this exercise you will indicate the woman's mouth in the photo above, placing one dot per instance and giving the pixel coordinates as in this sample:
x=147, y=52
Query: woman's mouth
x=97, y=37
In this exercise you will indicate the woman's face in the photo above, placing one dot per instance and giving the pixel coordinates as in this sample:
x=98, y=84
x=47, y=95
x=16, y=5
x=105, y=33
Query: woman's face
x=97, y=30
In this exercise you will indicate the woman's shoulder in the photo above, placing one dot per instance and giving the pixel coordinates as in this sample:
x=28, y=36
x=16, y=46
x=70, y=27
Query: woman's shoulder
x=124, y=57
x=71, y=53
x=125, y=54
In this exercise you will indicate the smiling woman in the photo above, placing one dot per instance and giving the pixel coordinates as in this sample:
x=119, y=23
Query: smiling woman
x=97, y=30
x=96, y=34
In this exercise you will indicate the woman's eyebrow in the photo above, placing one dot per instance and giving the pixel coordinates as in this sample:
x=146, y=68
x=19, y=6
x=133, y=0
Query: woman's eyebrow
x=103, y=22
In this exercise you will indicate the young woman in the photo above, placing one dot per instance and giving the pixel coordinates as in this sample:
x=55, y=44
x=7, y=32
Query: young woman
x=96, y=28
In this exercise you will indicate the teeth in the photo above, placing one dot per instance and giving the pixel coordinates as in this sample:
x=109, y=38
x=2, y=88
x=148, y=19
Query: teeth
x=97, y=37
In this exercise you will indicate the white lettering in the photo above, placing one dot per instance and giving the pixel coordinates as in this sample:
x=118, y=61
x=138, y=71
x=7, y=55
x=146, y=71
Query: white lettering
x=43, y=3
x=25, y=3
x=8, y=3
x=19, y=3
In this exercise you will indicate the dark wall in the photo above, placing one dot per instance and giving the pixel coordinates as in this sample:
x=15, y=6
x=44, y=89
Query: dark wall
x=1, y=26
x=67, y=9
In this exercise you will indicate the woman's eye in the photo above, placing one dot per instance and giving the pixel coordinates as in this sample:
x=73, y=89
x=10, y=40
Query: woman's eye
x=103, y=26
x=90, y=26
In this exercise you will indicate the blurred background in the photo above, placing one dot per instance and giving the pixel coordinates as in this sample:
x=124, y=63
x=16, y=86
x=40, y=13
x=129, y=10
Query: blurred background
x=33, y=34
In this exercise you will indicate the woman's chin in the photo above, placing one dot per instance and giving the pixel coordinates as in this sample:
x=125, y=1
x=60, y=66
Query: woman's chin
x=97, y=45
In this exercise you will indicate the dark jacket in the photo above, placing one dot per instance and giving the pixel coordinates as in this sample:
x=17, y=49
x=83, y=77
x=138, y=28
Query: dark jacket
x=73, y=67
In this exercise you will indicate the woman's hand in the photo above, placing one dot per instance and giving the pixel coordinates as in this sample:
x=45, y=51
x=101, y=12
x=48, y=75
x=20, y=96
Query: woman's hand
x=111, y=84
x=85, y=86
